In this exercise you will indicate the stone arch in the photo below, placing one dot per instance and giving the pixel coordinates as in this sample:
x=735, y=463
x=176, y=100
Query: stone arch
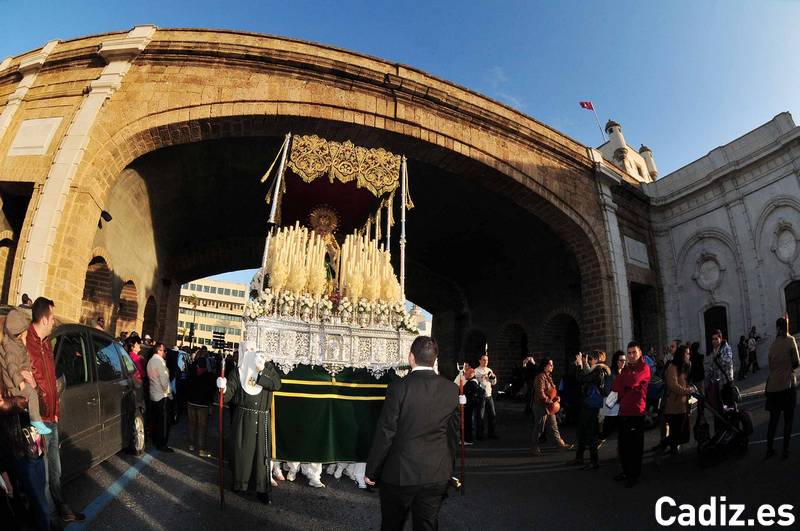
x=578, y=233
x=734, y=269
x=766, y=212
x=150, y=318
x=509, y=350
x=699, y=236
x=97, y=291
x=790, y=296
x=559, y=339
x=128, y=313
x=475, y=344
x=271, y=85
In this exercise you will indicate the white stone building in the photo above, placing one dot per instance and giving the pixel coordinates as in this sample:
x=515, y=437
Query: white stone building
x=726, y=231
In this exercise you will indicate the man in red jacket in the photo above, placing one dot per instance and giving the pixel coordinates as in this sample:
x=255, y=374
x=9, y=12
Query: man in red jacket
x=44, y=373
x=631, y=386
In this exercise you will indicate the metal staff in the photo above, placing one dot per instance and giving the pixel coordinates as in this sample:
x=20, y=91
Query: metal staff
x=461, y=407
x=403, y=201
x=221, y=461
x=275, y=198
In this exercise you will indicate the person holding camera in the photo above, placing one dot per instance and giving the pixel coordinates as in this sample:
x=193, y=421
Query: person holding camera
x=591, y=374
x=487, y=380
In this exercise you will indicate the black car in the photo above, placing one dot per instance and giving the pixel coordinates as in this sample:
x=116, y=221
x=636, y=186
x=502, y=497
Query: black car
x=102, y=400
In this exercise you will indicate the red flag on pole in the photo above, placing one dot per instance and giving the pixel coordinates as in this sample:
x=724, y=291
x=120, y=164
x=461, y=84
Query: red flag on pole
x=586, y=105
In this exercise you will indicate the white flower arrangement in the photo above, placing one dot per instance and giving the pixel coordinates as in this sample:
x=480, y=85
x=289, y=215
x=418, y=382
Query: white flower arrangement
x=345, y=309
x=381, y=312
x=324, y=308
x=407, y=324
x=363, y=311
x=305, y=305
x=254, y=309
x=286, y=303
x=398, y=311
x=364, y=306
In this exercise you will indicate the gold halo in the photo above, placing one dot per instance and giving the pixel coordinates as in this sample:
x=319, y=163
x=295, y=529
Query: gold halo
x=323, y=215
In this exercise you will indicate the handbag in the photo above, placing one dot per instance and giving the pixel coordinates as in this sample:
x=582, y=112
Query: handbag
x=555, y=407
x=593, y=398
x=729, y=393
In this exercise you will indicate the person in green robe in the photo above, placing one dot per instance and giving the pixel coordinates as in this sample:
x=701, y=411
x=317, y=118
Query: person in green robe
x=250, y=388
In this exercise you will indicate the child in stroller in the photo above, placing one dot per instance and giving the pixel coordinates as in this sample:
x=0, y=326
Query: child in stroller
x=735, y=428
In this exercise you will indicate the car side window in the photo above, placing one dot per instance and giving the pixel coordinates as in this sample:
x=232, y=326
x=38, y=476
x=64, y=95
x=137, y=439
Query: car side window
x=71, y=359
x=126, y=358
x=109, y=366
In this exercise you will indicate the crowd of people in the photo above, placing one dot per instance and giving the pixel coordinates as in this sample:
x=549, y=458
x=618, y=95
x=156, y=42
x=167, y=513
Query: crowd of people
x=612, y=396
x=30, y=458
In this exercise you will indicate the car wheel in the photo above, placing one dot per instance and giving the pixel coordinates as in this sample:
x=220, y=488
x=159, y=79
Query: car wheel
x=136, y=445
x=651, y=417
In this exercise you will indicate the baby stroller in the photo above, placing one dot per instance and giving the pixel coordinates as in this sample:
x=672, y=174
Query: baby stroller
x=736, y=427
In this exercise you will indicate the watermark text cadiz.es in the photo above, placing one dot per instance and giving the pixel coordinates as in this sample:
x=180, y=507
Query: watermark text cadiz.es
x=718, y=512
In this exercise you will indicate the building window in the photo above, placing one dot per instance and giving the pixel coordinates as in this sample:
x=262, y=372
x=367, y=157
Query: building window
x=206, y=289
x=792, y=293
x=184, y=286
x=227, y=292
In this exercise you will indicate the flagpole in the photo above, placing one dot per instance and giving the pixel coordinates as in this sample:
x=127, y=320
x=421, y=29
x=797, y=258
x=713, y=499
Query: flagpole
x=596, y=119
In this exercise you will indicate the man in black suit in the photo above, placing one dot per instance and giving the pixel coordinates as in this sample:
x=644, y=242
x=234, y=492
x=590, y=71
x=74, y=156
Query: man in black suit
x=415, y=443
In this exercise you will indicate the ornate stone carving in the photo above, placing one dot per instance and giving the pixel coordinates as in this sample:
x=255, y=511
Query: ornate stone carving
x=708, y=272
x=784, y=243
x=377, y=170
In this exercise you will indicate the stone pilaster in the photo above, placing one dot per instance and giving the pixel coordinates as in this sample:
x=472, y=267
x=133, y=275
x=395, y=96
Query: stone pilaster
x=623, y=327
x=29, y=69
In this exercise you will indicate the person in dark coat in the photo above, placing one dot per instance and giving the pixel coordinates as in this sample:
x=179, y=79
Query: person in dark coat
x=250, y=388
x=200, y=391
x=591, y=375
x=415, y=442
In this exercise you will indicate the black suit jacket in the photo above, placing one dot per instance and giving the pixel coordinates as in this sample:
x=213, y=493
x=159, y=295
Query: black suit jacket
x=417, y=435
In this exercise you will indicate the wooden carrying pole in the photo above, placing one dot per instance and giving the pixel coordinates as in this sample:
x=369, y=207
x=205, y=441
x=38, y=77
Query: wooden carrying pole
x=276, y=197
x=403, y=201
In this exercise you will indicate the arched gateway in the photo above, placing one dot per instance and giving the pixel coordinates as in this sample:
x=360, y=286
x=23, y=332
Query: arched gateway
x=168, y=131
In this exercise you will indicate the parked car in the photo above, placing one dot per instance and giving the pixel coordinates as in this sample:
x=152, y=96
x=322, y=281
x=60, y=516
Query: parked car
x=102, y=403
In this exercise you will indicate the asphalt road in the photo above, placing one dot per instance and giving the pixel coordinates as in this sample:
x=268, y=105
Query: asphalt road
x=505, y=488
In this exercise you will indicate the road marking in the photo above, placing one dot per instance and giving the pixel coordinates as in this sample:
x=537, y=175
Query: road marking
x=792, y=436
x=97, y=505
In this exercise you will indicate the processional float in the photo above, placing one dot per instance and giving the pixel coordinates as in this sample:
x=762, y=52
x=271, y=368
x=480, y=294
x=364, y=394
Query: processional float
x=326, y=306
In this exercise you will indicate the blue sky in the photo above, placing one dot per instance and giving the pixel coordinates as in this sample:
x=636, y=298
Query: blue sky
x=682, y=77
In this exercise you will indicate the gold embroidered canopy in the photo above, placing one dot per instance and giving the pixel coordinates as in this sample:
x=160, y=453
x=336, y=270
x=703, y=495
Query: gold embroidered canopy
x=375, y=169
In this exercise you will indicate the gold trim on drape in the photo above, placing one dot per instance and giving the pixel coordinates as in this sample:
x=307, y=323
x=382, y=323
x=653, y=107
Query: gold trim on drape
x=375, y=169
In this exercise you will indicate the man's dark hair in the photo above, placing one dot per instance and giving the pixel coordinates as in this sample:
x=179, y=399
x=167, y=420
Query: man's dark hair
x=26, y=299
x=719, y=333
x=782, y=326
x=42, y=307
x=634, y=344
x=425, y=350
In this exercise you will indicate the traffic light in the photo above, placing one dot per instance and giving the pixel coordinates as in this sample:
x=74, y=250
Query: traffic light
x=218, y=343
